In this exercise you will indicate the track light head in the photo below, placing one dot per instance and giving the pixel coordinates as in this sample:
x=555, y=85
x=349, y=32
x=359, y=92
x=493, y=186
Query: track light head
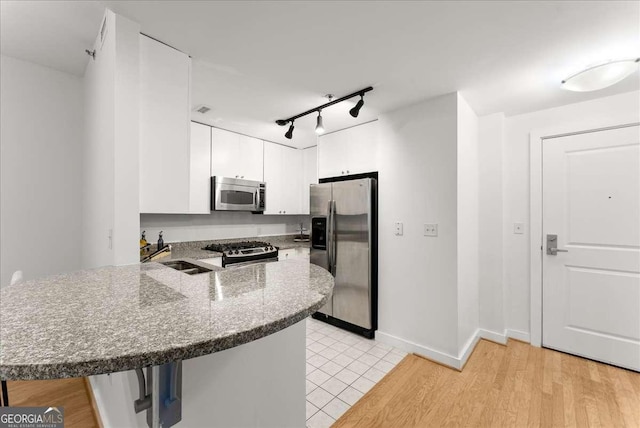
x=282, y=122
x=319, y=124
x=355, y=111
x=289, y=133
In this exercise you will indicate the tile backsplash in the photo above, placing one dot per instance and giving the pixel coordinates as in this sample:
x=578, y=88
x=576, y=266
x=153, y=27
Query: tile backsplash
x=218, y=225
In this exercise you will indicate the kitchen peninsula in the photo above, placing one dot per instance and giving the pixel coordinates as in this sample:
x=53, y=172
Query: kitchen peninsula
x=117, y=319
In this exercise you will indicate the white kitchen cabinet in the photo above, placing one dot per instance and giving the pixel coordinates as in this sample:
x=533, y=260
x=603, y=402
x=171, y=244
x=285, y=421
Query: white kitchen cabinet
x=200, y=177
x=283, y=178
x=236, y=156
x=309, y=175
x=215, y=261
x=350, y=151
x=293, y=253
x=164, y=128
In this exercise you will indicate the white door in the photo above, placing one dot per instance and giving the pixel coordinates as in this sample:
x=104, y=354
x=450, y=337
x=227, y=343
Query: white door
x=591, y=202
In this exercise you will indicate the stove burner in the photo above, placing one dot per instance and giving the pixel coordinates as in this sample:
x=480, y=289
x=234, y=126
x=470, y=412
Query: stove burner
x=236, y=246
x=244, y=252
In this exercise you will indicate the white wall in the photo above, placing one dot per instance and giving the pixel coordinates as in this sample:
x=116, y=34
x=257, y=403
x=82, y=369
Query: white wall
x=40, y=170
x=110, y=177
x=251, y=385
x=490, y=222
x=418, y=184
x=218, y=225
x=516, y=196
x=467, y=168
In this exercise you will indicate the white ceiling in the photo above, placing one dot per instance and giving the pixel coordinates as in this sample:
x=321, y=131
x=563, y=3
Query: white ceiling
x=255, y=62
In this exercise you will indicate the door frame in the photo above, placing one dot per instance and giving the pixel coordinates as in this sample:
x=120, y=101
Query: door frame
x=536, y=241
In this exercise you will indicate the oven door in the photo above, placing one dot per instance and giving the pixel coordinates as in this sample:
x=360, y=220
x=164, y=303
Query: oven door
x=230, y=194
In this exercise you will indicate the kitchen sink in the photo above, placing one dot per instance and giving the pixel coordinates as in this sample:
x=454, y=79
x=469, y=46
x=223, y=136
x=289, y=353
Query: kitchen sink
x=186, y=267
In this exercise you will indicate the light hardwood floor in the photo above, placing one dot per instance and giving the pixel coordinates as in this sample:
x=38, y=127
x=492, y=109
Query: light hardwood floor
x=503, y=386
x=71, y=394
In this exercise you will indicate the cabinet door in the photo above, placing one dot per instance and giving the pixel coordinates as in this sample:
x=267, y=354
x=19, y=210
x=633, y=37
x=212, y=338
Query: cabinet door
x=164, y=128
x=273, y=164
x=350, y=151
x=200, y=171
x=251, y=157
x=362, y=148
x=309, y=176
x=292, y=180
x=225, y=153
x=331, y=155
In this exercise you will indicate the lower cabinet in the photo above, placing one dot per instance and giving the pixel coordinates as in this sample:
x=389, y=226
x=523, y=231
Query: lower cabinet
x=283, y=177
x=215, y=261
x=293, y=253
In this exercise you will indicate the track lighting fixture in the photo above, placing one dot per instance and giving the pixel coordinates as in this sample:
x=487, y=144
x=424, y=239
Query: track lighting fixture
x=356, y=110
x=289, y=133
x=319, y=124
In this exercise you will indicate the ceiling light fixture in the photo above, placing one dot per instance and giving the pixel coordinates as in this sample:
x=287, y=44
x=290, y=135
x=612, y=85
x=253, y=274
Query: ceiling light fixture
x=601, y=76
x=319, y=124
x=356, y=110
x=289, y=133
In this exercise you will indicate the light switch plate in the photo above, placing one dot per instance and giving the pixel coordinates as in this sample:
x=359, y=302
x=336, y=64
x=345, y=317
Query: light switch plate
x=430, y=229
x=518, y=228
x=398, y=228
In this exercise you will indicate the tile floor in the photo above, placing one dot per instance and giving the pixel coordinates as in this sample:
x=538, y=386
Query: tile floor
x=341, y=368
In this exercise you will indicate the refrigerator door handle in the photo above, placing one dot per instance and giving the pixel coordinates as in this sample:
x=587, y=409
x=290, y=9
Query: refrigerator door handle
x=334, y=240
x=329, y=233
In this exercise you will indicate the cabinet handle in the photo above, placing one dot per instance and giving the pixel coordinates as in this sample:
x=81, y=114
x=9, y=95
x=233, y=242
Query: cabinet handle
x=347, y=171
x=284, y=212
x=237, y=176
x=242, y=176
x=342, y=172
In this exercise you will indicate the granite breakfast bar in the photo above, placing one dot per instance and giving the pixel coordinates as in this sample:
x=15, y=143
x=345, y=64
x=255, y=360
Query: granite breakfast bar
x=239, y=332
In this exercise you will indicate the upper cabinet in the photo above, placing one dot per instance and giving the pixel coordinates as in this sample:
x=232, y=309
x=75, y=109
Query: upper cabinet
x=309, y=175
x=283, y=178
x=350, y=151
x=200, y=175
x=236, y=156
x=165, y=160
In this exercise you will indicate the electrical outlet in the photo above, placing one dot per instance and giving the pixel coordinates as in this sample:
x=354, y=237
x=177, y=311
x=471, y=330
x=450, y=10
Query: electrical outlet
x=518, y=228
x=398, y=228
x=430, y=229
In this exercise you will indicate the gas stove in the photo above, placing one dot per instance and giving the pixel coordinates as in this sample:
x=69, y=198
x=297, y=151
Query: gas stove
x=236, y=253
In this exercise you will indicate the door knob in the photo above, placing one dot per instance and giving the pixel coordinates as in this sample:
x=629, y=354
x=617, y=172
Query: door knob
x=552, y=246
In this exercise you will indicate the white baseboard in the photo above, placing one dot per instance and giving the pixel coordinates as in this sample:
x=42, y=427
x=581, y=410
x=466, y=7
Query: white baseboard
x=519, y=335
x=447, y=359
x=101, y=408
x=468, y=349
x=493, y=336
x=408, y=346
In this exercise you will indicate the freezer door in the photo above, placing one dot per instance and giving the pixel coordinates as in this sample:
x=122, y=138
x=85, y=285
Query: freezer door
x=352, y=254
x=320, y=200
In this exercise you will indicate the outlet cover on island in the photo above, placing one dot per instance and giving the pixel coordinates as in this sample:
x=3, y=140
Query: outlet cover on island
x=518, y=228
x=398, y=228
x=431, y=229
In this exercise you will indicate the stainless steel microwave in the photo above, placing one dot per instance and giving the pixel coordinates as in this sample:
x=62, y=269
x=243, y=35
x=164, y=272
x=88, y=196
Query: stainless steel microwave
x=234, y=194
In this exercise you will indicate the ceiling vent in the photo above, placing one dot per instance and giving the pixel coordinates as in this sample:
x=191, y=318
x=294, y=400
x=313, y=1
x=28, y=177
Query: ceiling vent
x=203, y=109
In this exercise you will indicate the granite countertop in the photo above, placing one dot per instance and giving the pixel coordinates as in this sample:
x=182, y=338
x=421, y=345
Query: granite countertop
x=120, y=318
x=194, y=249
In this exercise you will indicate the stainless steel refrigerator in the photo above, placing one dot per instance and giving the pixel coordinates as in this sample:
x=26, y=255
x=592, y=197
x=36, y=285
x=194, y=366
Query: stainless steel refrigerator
x=344, y=242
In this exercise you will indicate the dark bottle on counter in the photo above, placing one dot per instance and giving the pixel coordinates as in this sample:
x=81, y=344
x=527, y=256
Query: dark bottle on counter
x=160, y=242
